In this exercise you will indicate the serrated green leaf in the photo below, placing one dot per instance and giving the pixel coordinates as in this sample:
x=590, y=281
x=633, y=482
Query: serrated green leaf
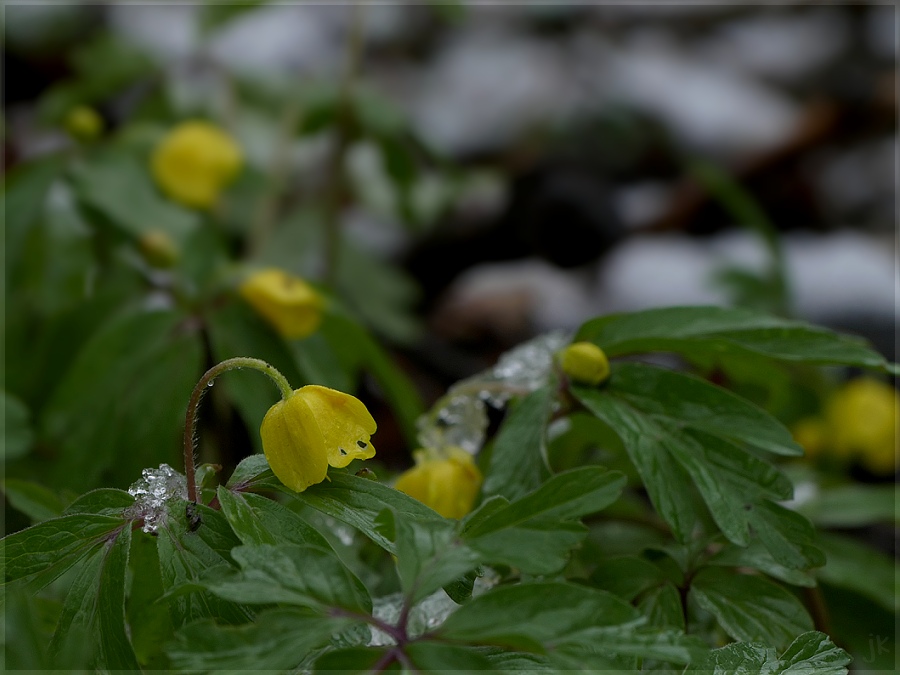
x=277, y=640
x=546, y=552
x=258, y=520
x=300, y=575
x=35, y=501
x=95, y=604
x=429, y=554
x=860, y=568
x=626, y=576
x=565, y=496
x=532, y=616
x=664, y=645
x=788, y=536
x=358, y=502
x=756, y=556
x=728, y=333
x=669, y=395
x=104, y=501
x=148, y=616
x=519, y=456
x=812, y=652
x=663, y=608
x=55, y=545
x=252, y=473
x=750, y=608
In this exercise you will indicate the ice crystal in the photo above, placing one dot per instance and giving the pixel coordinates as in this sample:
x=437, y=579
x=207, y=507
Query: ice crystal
x=460, y=417
x=152, y=493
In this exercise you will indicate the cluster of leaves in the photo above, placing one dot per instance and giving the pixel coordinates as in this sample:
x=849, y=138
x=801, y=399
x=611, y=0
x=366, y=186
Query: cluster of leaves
x=555, y=569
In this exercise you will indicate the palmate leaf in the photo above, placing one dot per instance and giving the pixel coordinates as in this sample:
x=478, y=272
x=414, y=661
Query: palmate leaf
x=688, y=439
x=728, y=333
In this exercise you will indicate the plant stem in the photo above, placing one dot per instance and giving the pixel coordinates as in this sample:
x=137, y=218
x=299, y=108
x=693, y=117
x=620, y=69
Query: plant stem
x=343, y=131
x=190, y=422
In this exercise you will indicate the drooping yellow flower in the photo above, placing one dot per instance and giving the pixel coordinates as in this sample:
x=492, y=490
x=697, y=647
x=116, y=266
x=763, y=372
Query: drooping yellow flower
x=862, y=418
x=287, y=302
x=585, y=362
x=447, y=481
x=195, y=162
x=313, y=428
x=84, y=123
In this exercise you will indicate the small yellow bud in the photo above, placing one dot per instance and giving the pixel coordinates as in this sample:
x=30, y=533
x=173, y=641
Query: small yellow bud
x=195, y=162
x=862, y=419
x=312, y=429
x=84, y=123
x=585, y=362
x=447, y=481
x=158, y=248
x=812, y=434
x=288, y=303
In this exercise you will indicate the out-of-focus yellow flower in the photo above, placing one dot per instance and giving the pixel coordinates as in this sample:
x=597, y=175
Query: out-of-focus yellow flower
x=288, y=303
x=585, y=362
x=313, y=428
x=84, y=123
x=812, y=434
x=195, y=162
x=447, y=481
x=158, y=248
x=861, y=419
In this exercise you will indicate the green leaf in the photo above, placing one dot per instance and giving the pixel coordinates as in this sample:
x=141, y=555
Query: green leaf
x=519, y=457
x=148, y=616
x=252, y=473
x=860, y=568
x=547, y=550
x=259, y=520
x=95, y=604
x=528, y=615
x=812, y=652
x=626, y=576
x=430, y=657
x=184, y=557
x=358, y=502
x=116, y=185
x=35, y=501
x=690, y=401
x=662, y=607
x=103, y=403
x=727, y=333
x=23, y=198
x=17, y=432
x=235, y=330
x=852, y=505
x=646, y=643
x=756, y=556
x=788, y=536
x=565, y=496
x=429, y=554
x=300, y=575
x=55, y=545
x=277, y=640
x=350, y=660
x=105, y=501
x=750, y=608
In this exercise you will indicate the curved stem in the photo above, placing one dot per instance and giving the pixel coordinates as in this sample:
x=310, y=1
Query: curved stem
x=190, y=422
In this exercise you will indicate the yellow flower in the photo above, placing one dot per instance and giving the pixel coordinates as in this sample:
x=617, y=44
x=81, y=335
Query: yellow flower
x=314, y=427
x=812, y=434
x=862, y=419
x=447, y=481
x=84, y=123
x=194, y=162
x=287, y=302
x=585, y=362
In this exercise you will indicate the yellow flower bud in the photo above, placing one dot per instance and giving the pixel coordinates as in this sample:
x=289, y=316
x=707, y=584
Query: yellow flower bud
x=314, y=428
x=585, y=362
x=158, y=248
x=862, y=421
x=195, y=162
x=288, y=303
x=447, y=481
x=84, y=123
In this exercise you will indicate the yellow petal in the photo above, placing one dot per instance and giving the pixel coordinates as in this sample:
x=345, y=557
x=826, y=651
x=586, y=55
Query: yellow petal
x=293, y=444
x=343, y=422
x=585, y=362
x=447, y=482
x=287, y=302
x=194, y=162
x=862, y=418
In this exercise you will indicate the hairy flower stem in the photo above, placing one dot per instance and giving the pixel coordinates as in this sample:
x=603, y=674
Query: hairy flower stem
x=190, y=422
